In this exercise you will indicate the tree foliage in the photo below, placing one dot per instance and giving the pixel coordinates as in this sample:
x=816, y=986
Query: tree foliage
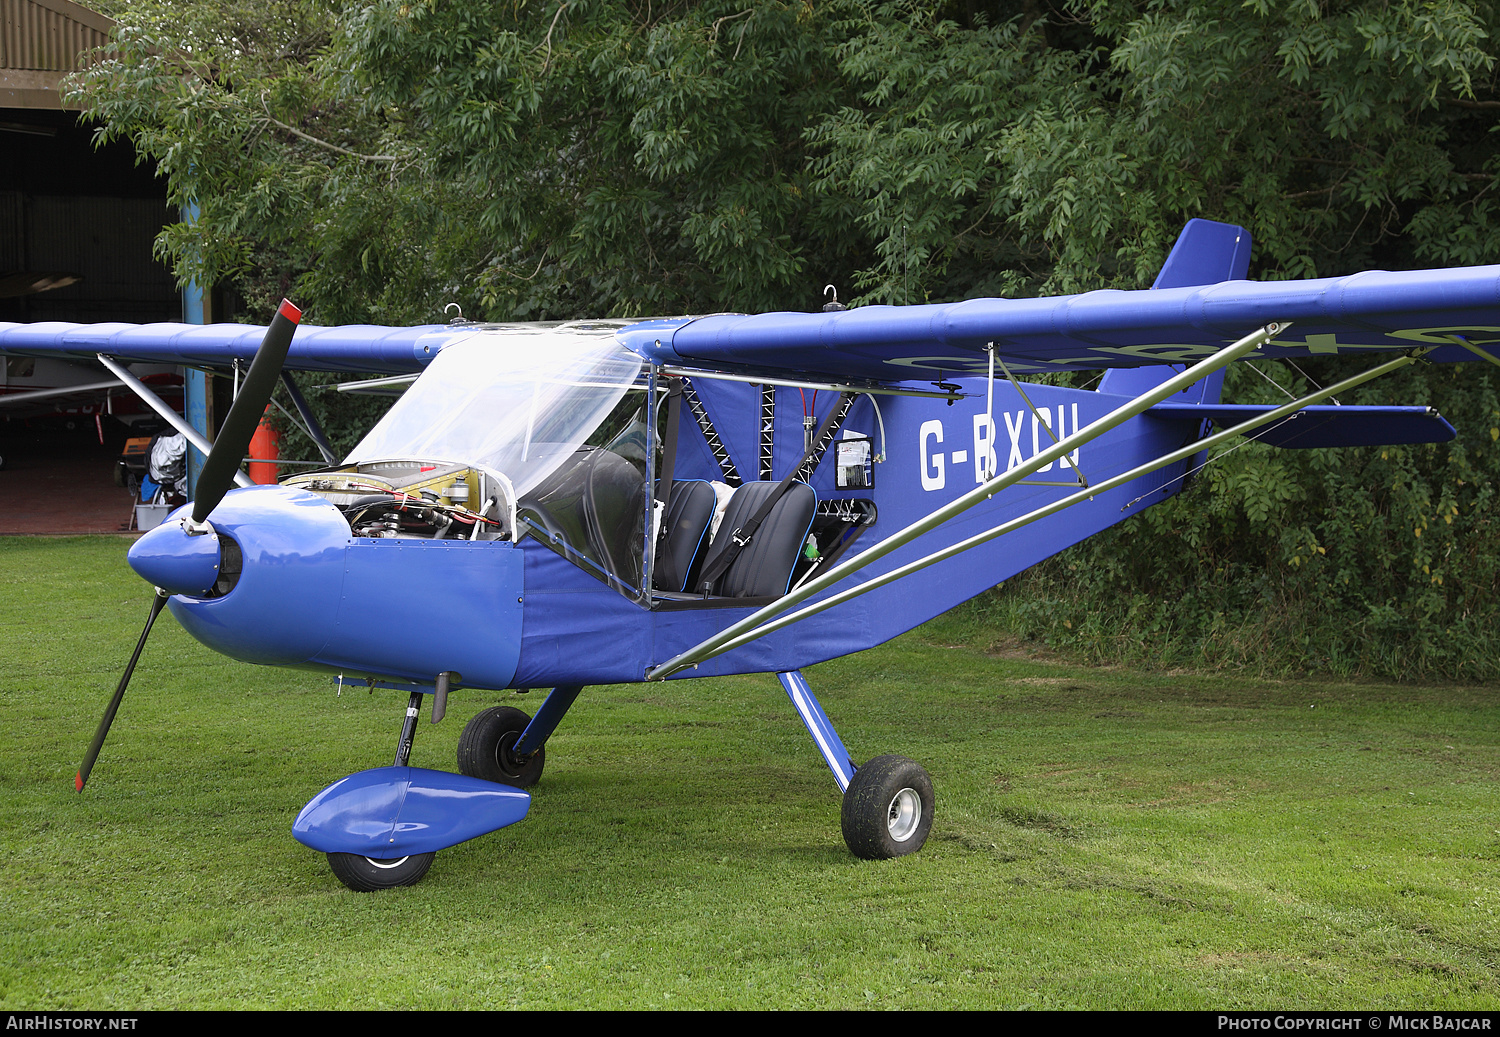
x=566, y=158
x=584, y=157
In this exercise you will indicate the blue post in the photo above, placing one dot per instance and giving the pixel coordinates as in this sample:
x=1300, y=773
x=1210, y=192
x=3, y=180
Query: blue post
x=196, y=394
x=195, y=387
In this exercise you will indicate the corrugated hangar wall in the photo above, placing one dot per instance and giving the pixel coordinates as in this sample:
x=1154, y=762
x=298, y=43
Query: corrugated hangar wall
x=46, y=36
x=70, y=212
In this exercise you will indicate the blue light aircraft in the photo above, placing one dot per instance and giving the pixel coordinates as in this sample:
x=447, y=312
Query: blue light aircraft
x=586, y=503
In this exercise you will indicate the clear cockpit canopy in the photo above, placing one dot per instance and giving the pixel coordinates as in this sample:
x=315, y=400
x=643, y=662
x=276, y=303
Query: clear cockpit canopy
x=517, y=401
x=549, y=414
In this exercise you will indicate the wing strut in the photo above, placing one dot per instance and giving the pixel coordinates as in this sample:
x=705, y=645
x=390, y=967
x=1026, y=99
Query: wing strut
x=171, y=417
x=313, y=429
x=720, y=642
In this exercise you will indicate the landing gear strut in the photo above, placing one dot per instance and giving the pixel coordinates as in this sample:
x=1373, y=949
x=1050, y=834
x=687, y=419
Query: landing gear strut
x=888, y=803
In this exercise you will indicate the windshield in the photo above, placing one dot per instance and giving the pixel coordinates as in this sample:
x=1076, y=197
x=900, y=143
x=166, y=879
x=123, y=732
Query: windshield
x=550, y=412
x=518, y=401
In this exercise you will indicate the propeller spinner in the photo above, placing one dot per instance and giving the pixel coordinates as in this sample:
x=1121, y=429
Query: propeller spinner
x=183, y=557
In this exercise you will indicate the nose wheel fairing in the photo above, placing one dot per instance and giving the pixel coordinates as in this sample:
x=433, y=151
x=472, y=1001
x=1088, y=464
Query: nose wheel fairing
x=392, y=812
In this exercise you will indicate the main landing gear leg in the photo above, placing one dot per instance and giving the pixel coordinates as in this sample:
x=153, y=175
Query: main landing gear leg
x=368, y=874
x=888, y=802
x=504, y=745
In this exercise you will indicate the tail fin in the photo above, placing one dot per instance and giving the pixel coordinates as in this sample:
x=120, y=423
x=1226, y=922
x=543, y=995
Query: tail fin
x=1206, y=253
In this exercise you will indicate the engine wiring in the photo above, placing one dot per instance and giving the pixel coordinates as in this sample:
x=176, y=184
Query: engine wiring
x=425, y=507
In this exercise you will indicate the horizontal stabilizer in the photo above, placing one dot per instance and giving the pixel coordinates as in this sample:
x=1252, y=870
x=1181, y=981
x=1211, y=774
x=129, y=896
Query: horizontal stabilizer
x=1324, y=426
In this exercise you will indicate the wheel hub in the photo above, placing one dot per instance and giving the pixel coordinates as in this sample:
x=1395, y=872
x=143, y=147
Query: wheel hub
x=904, y=814
x=505, y=754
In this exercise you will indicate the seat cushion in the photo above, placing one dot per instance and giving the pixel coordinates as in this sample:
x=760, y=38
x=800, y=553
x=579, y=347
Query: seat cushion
x=763, y=567
x=683, y=531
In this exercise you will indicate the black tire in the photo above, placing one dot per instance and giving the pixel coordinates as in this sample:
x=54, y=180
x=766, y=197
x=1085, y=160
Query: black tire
x=484, y=749
x=369, y=874
x=887, y=809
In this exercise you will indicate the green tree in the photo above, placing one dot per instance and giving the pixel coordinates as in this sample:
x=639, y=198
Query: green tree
x=537, y=160
x=583, y=157
x=1060, y=150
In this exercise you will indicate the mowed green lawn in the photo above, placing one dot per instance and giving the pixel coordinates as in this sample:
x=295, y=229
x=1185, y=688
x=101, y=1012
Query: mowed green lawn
x=1104, y=839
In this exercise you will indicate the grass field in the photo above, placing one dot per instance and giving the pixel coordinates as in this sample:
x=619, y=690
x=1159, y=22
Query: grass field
x=1104, y=839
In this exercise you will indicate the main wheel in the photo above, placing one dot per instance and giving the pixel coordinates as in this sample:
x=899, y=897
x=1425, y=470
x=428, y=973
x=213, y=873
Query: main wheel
x=887, y=808
x=368, y=874
x=486, y=749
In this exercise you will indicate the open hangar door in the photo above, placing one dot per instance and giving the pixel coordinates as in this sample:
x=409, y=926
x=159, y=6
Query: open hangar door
x=76, y=231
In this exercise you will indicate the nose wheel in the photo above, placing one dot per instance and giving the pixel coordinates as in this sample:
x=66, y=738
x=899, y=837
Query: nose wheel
x=371, y=874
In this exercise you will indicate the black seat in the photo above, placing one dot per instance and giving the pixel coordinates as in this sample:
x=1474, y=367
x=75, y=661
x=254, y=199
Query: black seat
x=684, y=527
x=763, y=568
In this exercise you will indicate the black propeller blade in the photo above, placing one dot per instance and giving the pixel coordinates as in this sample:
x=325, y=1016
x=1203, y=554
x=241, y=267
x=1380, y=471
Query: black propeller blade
x=81, y=778
x=213, y=482
x=234, y=435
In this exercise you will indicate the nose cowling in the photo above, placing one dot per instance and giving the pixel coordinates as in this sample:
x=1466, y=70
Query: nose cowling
x=176, y=562
x=296, y=588
x=280, y=575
